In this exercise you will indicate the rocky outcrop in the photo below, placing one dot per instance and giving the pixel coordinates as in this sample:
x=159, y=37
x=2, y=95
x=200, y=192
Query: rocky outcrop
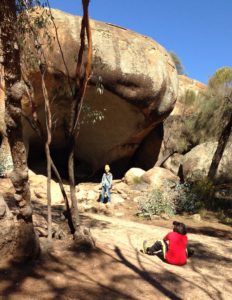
x=196, y=163
x=174, y=127
x=186, y=84
x=140, y=90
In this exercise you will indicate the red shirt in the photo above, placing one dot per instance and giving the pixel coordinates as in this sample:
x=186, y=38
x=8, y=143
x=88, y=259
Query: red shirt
x=176, y=253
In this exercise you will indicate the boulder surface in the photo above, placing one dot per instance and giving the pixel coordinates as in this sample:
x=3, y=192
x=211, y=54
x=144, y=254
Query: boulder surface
x=138, y=90
x=196, y=162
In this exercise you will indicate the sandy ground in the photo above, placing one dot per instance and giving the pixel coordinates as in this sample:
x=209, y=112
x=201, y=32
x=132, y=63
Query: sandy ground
x=116, y=269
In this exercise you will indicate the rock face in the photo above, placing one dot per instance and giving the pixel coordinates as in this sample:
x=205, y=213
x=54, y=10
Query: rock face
x=140, y=89
x=198, y=160
x=174, y=126
x=186, y=84
x=173, y=163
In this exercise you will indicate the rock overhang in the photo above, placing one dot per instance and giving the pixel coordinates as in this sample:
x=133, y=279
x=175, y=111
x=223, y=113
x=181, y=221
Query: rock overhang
x=140, y=88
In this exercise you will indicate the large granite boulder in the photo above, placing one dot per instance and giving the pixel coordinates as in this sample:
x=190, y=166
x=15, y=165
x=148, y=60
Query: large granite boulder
x=196, y=163
x=160, y=178
x=140, y=89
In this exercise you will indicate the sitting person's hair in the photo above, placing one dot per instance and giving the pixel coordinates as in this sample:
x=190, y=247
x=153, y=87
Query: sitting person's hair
x=179, y=227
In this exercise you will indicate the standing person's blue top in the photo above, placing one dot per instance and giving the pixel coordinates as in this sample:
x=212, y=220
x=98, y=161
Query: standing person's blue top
x=106, y=183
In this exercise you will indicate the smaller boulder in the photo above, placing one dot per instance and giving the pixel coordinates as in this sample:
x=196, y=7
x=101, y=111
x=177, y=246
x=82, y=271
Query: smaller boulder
x=38, y=185
x=133, y=176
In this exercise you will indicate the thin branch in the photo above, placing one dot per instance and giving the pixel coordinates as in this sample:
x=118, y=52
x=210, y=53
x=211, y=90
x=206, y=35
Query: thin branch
x=60, y=48
x=47, y=151
x=81, y=85
x=37, y=125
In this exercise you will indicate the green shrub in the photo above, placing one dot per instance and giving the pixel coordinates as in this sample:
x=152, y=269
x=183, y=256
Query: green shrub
x=222, y=77
x=204, y=115
x=178, y=63
x=155, y=204
x=184, y=197
x=188, y=98
x=190, y=197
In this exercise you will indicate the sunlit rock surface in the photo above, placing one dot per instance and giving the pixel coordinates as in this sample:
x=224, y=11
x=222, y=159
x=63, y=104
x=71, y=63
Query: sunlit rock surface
x=140, y=89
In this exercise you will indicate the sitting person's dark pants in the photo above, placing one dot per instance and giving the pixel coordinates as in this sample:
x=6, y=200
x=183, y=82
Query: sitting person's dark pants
x=161, y=248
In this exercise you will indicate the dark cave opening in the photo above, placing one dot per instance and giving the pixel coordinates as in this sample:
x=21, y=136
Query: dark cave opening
x=144, y=157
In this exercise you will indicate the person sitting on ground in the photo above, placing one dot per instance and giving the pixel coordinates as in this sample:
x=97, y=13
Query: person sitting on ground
x=173, y=248
x=106, y=183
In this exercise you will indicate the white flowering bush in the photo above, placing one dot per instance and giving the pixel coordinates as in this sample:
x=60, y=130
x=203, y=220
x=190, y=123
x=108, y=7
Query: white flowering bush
x=156, y=203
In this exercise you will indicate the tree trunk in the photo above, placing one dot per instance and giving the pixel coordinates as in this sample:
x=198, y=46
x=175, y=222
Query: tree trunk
x=223, y=139
x=26, y=239
x=81, y=235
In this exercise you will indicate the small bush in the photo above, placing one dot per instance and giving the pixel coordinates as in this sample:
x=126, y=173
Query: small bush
x=184, y=197
x=188, y=199
x=155, y=204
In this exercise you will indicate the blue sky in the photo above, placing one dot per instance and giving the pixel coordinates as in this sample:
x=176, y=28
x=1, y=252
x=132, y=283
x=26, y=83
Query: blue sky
x=198, y=31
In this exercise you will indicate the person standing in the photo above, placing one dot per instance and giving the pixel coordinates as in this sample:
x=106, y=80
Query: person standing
x=106, y=183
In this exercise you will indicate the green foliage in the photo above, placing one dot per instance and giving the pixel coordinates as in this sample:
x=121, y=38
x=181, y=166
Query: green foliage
x=21, y=5
x=222, y=77
x=205, y=114
x=91, y=115
x=155, y=204
x=191, y=197
x=30, y=31
x=177, y=62
x=189, y=98
x=184, y=197
x=226, y=216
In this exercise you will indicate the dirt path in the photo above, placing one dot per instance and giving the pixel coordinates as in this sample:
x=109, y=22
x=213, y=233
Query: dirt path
x=117, y=270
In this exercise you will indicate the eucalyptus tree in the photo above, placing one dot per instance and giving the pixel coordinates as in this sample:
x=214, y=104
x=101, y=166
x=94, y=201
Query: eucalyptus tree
x=15, y=26
x=220, y=87
x=25, y=242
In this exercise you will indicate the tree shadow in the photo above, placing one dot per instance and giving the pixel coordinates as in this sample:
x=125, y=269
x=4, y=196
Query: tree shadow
x=210, y=231
x=213, y=262
x=84, y=272
x=90, y=222
x=203, y=254
x=147, y=276
x=204, y=258
x=85, y=287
